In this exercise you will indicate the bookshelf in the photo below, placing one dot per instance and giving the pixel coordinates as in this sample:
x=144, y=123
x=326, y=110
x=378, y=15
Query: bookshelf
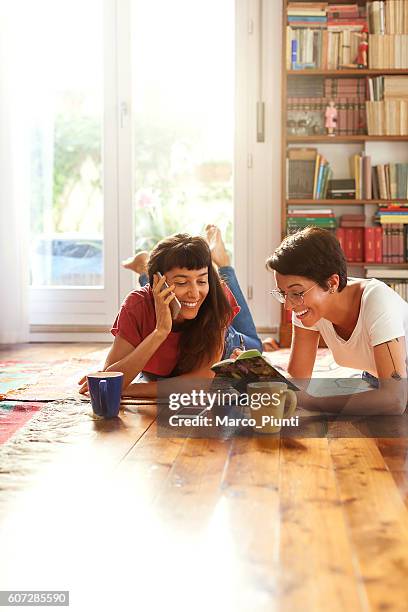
x=351, y=139
x=339, y=142
x=347, y=72
x=344, y=202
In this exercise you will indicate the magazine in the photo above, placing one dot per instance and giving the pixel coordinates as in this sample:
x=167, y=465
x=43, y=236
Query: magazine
x=249, y=366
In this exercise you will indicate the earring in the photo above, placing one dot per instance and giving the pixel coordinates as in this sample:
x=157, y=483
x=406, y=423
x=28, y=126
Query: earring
x=332, y=290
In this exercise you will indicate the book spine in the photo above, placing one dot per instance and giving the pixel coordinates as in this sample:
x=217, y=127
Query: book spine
x=369, y=245
x=400, y=243
x=385, y=245
x=378, y=244
x=348, y=243
x=358, y=243
x=367, y=177
x=340, y=235
x=293, y=57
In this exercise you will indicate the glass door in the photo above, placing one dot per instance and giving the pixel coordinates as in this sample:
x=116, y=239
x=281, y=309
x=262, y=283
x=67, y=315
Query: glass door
x=73, y=281
x=183, y=69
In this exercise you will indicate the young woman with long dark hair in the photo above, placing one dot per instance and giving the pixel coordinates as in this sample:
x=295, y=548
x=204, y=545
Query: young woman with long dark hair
x=214, y=318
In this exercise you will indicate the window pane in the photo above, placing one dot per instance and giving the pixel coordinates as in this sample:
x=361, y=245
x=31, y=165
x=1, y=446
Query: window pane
x=183, y=102
x=66, y=142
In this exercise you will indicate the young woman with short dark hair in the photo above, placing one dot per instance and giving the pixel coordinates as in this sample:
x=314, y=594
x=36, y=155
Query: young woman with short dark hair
x=362, y=321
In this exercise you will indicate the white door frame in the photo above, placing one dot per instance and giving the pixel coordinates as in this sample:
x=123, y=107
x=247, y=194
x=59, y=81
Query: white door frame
x=257, y=164
x=86, y=313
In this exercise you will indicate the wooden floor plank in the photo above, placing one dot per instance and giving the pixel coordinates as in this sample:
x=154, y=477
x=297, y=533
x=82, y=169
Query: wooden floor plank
x=250, y=491
x=377, y=518
x=316, y=566
x=94, y=451
x=395, y=454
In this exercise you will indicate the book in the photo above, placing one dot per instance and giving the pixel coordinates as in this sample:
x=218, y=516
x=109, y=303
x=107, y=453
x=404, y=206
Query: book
x=378, y=242
x=342, y=189
x=369, y=245
x=372, y=272
x=301, y=178
x=249, y=366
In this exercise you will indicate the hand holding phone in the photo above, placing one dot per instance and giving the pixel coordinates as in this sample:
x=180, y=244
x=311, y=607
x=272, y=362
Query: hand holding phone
x=174, y=305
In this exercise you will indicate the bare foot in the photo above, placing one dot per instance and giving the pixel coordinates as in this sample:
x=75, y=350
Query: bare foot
x=269, y=345
x=219, y=253
x=138, y=263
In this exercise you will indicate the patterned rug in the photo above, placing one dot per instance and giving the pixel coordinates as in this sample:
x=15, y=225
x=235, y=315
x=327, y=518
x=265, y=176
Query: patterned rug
x=29, y=386
x=15, y=374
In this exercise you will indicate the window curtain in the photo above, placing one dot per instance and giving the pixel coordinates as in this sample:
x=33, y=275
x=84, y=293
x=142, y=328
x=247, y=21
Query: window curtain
x=14, y=179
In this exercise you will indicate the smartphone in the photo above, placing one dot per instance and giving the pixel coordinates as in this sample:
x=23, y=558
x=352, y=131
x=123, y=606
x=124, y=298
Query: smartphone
x=175, y=305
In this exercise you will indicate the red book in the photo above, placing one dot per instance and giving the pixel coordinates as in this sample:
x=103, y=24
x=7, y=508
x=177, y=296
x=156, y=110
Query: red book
x=348, y=243
x=340, y=235
x=378, y=243
x=369, y=245
x=358, y=243
x=393, y=209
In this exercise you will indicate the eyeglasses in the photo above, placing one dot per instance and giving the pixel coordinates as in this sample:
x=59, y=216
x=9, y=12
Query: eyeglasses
x=294, y=297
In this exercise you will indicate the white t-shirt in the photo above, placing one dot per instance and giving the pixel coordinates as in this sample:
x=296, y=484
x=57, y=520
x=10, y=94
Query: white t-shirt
x=383, y=316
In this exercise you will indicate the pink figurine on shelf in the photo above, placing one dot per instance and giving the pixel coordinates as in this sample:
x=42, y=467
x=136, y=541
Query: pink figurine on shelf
x=331, y=118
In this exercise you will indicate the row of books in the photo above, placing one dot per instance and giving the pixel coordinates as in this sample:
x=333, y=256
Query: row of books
x=387, y=88
x=388, y=51
x=382, y=17
x=385, y=243
x=322, y=35
x=388, y=17
x=310, y=177
x=387, y=118
x=303, y=217
x=306, y=116
x=392, y=215
x=308, y=174
x=379, y=182
x=335, y=50
x=390, y=181
x=378, y=244
x=324, y=49
x=299, y=86
x=330, y=39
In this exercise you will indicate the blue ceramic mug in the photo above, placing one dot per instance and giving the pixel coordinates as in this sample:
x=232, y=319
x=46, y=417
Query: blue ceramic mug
x=105, y=389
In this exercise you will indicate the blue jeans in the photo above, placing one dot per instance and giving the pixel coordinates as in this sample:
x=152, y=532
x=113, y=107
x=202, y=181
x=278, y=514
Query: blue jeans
x=242, y=334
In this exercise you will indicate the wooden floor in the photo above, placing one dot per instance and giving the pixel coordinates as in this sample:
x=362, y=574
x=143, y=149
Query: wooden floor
x=129, y=521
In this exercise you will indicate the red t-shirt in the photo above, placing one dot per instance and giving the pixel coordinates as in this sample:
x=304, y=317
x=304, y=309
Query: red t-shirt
x=137, y=319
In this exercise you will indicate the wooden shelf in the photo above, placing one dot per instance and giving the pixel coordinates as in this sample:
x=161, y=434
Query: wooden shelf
x=337, y=202
x=347, y=72
x=335, y=139
x=364, y=264
x=382, y=265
